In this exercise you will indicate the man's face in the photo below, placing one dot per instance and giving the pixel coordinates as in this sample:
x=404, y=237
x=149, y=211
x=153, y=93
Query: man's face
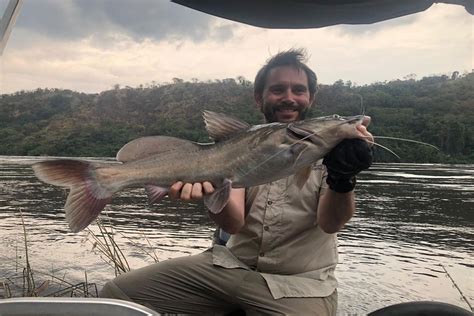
x=286, y=96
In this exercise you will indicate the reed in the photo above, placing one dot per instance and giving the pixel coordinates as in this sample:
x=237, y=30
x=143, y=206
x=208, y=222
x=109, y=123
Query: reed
x=29, y=289
x=152, y=254
x=457, y=287
x=24, y=283
x=53, y=286
x=105, y=243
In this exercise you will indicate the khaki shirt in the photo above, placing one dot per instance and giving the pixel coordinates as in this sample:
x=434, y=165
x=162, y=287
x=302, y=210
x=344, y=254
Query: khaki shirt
x=282, y=240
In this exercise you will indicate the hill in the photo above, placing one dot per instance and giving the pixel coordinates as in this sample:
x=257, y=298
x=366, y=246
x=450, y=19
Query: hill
x=438, y=110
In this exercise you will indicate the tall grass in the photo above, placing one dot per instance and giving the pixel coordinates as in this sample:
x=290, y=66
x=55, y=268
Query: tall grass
x=111, y=253
x=23, y=282
x=106, y=245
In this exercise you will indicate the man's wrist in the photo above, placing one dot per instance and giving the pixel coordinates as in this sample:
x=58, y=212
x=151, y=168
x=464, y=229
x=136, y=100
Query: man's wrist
x=343, y=185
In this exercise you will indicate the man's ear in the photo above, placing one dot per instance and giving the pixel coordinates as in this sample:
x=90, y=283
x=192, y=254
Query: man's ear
x=312, y=97
x=258, y=100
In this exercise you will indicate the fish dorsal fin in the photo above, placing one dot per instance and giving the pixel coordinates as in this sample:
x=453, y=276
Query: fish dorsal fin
x=220, y=126
x=153, y=145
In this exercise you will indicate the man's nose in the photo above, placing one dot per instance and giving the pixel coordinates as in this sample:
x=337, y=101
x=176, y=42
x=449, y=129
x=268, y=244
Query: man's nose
x=288, y=97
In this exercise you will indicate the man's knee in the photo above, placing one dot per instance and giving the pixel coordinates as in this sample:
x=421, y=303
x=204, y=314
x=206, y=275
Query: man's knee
x=111, y=290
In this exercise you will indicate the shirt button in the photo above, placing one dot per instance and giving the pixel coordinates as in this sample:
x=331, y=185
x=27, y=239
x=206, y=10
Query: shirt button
x=269, y=202
x=266, y=228
x=262, y=254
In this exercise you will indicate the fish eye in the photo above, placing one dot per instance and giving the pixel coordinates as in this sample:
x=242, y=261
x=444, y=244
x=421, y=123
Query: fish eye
x=336, y=116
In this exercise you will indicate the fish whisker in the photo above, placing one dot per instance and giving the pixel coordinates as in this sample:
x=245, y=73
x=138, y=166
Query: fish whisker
x=387, y=149
x=408, y=140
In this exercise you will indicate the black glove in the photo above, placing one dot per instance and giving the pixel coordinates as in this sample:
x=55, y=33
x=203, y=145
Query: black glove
x=347, y=159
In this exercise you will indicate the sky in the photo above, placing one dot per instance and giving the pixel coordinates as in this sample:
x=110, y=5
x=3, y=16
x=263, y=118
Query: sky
x=90, y=46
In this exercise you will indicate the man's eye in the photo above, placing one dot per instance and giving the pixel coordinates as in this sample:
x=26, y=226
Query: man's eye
x=299, y=90
x=277, y=90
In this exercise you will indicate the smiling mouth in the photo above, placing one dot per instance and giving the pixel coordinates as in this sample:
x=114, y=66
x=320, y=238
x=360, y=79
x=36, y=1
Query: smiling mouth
x=286, y=110
x=286, y=113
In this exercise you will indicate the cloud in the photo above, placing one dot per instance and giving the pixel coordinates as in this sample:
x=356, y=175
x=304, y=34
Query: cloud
x=368, y=29
x=138, y=19
x=436, y=41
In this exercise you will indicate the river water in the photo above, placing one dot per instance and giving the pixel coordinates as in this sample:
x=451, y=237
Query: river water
x=410, y=240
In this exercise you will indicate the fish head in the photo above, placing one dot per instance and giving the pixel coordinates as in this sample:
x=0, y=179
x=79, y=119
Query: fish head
x=322, y=134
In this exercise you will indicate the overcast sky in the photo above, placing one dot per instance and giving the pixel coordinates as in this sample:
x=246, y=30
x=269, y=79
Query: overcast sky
x=90, y=45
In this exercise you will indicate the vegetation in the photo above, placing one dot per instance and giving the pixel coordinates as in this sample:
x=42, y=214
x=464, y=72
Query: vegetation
x=438, y=110
x=110, y=251
x=21, y=280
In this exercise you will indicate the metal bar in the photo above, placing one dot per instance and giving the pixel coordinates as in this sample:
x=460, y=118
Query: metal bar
x=7, y=22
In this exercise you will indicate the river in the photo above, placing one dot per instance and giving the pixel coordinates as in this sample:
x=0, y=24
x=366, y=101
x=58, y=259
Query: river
x=410, y=240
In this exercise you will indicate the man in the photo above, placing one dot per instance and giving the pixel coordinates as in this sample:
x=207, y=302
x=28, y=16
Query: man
x=282, y=253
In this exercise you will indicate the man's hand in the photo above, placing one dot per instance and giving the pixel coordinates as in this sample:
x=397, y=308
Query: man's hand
x=190, y=191
x=231, y=219
x=345, y=161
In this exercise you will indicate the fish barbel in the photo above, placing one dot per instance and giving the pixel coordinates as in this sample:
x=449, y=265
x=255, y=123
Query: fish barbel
x=242, y=156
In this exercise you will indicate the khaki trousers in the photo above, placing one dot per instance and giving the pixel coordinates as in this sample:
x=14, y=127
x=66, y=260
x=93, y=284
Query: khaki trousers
x=193, y=285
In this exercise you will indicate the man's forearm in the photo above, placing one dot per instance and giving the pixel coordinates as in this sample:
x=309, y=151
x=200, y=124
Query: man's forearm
x=335, y=210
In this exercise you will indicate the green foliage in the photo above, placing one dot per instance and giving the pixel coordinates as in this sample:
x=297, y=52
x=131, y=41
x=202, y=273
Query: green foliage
x=438, y=110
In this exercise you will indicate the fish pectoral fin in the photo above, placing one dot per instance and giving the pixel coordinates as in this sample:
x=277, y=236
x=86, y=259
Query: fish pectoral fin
x=297, y=150
x=155, y=193
x=216, y=201
x=302, y=176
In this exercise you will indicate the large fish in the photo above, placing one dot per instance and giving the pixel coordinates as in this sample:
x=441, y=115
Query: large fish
x=242, y=156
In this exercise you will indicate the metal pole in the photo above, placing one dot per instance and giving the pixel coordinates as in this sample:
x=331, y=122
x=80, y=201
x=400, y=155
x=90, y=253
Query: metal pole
x=7, y=22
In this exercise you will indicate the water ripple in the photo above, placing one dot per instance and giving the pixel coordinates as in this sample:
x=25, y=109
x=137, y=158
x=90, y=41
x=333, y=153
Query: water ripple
x=411, y=221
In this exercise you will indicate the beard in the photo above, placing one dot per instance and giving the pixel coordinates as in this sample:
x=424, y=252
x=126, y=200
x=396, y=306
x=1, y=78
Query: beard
x=270, y=111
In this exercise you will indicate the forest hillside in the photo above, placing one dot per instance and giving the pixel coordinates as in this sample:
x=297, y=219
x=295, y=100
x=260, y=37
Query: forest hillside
x=438, y=110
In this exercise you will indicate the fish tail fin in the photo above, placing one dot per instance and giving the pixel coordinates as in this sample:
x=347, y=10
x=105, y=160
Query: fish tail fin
x=87, y=197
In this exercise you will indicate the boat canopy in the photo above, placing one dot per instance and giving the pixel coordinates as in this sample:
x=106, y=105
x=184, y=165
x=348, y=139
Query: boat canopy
x=294, y=14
